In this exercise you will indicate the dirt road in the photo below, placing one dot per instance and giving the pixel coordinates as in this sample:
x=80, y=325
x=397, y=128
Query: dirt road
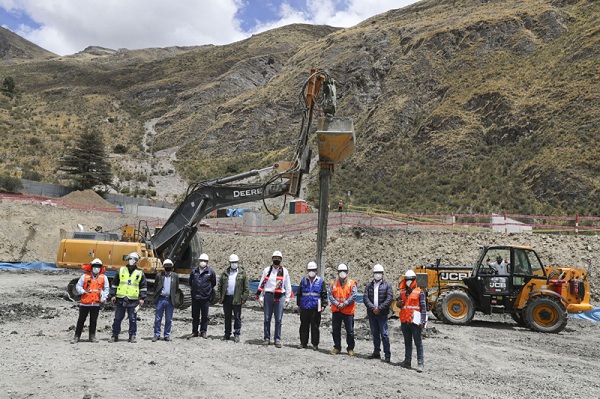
x=492, y=358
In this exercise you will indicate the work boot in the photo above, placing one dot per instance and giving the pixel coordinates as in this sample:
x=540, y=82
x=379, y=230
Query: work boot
x=316, y=347
x=236, y=338
x=387, y=360
x=75, y=339
x=114, y=338
x=374, y=356
x=335, y=351
x=278, y=344
x=93, y=339
x=419, y=368
x=266, y=342
x=405, y=364
x=225, y=338
x=168, y=339
x=132, y=339
x=155, y=338
x=351, y=352
x=203, y=335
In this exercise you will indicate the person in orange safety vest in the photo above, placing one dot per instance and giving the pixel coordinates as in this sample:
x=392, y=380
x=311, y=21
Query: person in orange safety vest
x=342, y=296
x=93, y=288
x=413, y=315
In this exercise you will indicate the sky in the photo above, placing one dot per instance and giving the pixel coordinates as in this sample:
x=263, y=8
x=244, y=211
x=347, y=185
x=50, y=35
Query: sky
x=66, y=27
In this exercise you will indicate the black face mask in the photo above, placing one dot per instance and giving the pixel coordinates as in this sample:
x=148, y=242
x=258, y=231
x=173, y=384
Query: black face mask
x=276, y=262
x=168, y=269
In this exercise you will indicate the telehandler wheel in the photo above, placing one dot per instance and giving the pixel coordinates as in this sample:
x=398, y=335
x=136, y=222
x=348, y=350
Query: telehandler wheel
x=544, y=313
x=72, y=291
x=455, y=307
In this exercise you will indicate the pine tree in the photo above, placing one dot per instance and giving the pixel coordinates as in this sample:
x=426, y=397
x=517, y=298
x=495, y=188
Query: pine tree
x=86, y=163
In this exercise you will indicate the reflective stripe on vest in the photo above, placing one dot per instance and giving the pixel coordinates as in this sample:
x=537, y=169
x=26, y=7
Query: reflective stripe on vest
x=129, y=286
x=311, y=293
x=94, y=287
x=341, y=293
x=410, y=305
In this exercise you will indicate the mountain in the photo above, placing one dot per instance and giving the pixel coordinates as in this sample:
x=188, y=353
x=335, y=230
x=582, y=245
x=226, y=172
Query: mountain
x=14, y=47
x=459, y=106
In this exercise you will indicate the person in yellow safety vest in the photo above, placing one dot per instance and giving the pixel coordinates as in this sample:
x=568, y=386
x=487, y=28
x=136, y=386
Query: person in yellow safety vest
x=413, y=315
x=93, y=288
x=342, y=295
x=127, y=291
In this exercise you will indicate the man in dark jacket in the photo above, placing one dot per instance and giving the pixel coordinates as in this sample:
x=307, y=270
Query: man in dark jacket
x=311, y=300
x=165, y=297
x=233, y=291
x=128, y=292
x=378, y=299
x=202, y=282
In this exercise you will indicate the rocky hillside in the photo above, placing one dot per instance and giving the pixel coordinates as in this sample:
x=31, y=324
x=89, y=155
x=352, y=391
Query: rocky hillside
x=14, y=48
x=459, y=106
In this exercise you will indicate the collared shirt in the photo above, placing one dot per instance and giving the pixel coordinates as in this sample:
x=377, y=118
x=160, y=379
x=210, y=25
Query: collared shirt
x=376, y=293
x=231, y=282
x=272, y=282
x=166, y=289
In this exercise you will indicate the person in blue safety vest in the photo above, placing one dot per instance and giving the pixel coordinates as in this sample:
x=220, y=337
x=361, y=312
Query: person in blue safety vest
x=128, y=291
x=311, y=299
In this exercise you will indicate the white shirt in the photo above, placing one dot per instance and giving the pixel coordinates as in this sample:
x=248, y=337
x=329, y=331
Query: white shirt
x=231, y=282
x=376, y=293
x=272, y=282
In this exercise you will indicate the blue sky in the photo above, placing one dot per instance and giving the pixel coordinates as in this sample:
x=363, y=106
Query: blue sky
x=68, y=26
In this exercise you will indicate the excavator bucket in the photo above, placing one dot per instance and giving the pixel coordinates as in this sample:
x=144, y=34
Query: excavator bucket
x=335, y=137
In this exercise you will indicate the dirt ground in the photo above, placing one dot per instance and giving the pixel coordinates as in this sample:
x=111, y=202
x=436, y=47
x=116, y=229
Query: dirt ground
x=492, y=358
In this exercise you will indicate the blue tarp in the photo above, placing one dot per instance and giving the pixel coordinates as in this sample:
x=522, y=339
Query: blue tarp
x=237, y=212
x=29, y=265
x=592, y=315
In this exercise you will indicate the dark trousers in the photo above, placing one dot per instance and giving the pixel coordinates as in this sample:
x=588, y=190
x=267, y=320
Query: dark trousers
x=310, y=320
x=120, y=311
x=200, y=306
x=336, y=326
x=379, y=331
x=230, y=309
x=163, y=305
x=411, y=332
x=272, y=307
x=83, y=314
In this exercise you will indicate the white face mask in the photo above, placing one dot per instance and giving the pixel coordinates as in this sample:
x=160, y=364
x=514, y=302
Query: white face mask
x=131, y=262
x=233, y=266
x=377, y=276
x=311, y=274
x=343, y=275
x=203, y=264
x=95, y=270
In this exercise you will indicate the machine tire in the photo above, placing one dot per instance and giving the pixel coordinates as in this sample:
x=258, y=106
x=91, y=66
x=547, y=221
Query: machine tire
x=72, y=292
x=455, y=307
x=544, y=313
x=519, y=319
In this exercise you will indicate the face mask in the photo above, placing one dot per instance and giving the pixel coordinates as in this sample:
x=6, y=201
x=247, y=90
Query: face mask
x=312, y=274
x=276, y=262
x=377, y=276
x=168, y=269
x=95, y=270
x=131, y=262
x=343, y=275
x=233, y=266
x=409, y=282
x=203, y=264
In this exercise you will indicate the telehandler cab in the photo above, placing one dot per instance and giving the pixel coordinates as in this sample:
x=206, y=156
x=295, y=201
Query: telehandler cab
x=506, y=279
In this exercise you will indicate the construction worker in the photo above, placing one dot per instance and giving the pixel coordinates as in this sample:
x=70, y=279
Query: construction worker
x=274, y=293
x=202, y=282
x=413, y=315
x=342, y=295
x=233, y=291
x=378, y=298
x=93, y=288
x=128, y=292
x=165, y=296
x=311, y=298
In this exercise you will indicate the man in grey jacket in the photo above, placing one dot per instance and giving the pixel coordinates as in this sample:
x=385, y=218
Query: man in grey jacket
x=165, y=297
x=378, y=299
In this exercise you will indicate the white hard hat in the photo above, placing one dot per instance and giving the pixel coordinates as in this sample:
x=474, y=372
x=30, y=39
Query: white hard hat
x=311, y=266
x=233, y=258
x=168, y=262
x=203, y=257
x=343, y=267
x=410, y=275
x=277, y=253
x=133, y=255
x=97, y=262
x=378, y=268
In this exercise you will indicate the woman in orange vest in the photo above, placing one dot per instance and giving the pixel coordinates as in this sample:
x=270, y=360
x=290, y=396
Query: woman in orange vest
x=342, y=295
x=412, y=300
x=93, y=288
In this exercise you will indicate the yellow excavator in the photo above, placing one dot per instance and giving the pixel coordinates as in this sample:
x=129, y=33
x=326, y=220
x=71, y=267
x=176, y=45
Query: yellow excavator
x=177, y=239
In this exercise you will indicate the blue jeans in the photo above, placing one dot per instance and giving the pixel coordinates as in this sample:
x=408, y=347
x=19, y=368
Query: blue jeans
x=411, y=332
x=163, y=305
x=336, y=327
x=200, y=306
x=379, y=331
x=272, y=307
x=228, y=309
x=120, y=315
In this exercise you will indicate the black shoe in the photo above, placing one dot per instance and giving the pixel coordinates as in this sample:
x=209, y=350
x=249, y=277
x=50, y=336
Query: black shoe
x=387, y=360
x=168, y=339
x=132, y=339
x=304, y=346
x=405, y=364
x=194, y=335
x=203, y=335
x=374, y=356
x=316, y=347
x=93, y=339
x=114, y=338
x=75, y=340
x=226, y=338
